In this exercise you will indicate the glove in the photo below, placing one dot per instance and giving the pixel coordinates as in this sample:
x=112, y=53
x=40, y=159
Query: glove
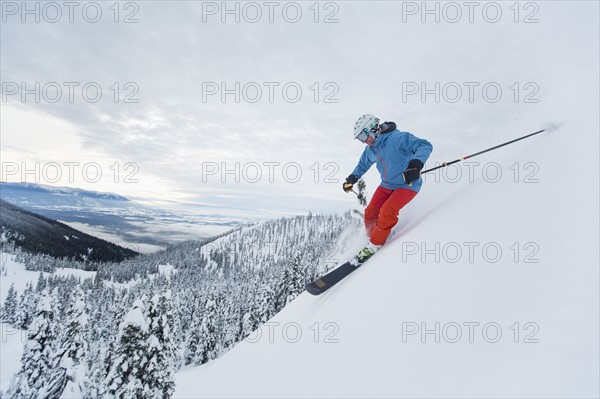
x=349, y=184
x=413, y=171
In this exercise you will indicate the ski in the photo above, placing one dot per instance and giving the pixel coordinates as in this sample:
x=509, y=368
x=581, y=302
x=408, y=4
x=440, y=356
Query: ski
x=330, y=279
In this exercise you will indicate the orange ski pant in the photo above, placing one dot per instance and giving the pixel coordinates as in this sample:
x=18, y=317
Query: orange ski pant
x=382, y=213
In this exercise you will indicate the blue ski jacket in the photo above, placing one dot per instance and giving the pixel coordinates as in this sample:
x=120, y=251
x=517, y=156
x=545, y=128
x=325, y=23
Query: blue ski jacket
x=392, y=151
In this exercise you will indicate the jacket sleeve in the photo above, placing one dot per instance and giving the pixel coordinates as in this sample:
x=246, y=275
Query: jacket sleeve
x=365, y=162
x=421, y=148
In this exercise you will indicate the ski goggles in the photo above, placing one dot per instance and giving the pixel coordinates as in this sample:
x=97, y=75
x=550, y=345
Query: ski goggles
x=364, y=134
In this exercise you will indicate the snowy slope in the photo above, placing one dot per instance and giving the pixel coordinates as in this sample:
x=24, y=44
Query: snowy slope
x=14, y=273
x=367, y=313
x=13, y=341
x=543, y=220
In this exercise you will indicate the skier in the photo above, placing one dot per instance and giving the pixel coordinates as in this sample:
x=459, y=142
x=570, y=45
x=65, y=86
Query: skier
x=400, y=156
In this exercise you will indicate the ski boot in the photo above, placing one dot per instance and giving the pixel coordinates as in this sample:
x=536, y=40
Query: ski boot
x=367, y=252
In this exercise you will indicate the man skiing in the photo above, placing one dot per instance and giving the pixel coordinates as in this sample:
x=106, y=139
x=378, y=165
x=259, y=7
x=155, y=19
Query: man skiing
x=400, y=156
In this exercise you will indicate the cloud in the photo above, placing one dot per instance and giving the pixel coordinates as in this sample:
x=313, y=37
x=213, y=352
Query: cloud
x=175, y=130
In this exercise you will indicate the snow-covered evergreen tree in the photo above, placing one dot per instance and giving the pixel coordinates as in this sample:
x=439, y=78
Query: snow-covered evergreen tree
x=96, y=388
x=9, y=310
x=260, y=309
x=160, y=369
x=265, y=302
x=27, y=307
x=36, y=379
x=232, y=319
x=209, y=332
x=41, y=283
x=294, y=278
x=57, y=375
x=193, y=344
x=249, y=324
x=73, y=346
x=126, y=377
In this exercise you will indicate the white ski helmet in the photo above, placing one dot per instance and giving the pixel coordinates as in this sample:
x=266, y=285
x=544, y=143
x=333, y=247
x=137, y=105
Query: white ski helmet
x=367, y=125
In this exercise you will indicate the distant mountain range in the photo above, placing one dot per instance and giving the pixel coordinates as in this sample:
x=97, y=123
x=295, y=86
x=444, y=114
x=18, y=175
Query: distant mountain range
x=67, y=195
x=46, y=199
x=39, y=234
x=118, y=219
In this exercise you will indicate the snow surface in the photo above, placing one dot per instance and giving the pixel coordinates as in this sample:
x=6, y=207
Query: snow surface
x=17, y=275
x=359, y=350
x=377, y=329
x=13, y=341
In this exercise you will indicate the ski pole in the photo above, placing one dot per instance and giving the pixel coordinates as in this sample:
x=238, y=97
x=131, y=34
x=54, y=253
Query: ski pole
x=361, y=198
x=481, y=152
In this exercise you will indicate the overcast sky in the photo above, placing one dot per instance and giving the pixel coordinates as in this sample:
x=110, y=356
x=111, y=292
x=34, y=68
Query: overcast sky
x=174, y=143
